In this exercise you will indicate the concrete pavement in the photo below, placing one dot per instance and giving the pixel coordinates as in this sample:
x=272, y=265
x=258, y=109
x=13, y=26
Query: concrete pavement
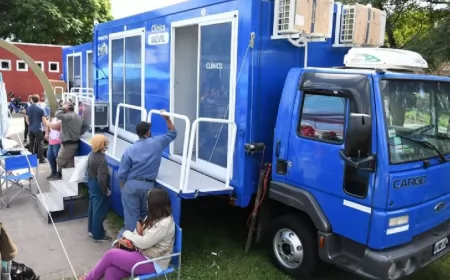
x=37, y=241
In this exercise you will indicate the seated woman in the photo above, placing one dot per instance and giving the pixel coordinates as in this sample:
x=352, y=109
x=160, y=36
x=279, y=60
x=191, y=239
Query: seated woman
x=157, y=240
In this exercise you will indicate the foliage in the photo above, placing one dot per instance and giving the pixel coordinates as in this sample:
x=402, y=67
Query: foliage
x=64, y=22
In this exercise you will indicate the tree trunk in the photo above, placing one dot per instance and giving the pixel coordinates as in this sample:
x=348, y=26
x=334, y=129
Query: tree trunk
x=390, y=35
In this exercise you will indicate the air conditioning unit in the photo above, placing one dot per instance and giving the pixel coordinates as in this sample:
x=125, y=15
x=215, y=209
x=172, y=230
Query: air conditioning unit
x=362, y=26
x=308, y=18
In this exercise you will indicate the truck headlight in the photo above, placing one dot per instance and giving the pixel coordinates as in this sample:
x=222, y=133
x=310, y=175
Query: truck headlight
x=398, y=221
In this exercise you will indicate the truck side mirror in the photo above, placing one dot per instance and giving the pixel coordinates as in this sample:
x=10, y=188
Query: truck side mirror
x=358, y=142
x=358, y=137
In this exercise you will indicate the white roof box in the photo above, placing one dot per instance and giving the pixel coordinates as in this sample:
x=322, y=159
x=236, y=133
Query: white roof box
x=381, y=58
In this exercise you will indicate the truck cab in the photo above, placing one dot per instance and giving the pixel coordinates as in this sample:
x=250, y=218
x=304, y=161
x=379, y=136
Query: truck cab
x=361, y=167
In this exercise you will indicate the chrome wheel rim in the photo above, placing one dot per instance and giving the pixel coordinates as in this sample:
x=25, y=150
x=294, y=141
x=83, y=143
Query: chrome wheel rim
x=288, y=248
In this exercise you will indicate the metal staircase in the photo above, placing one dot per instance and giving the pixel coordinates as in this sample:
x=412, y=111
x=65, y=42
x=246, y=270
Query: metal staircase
x=65, y=200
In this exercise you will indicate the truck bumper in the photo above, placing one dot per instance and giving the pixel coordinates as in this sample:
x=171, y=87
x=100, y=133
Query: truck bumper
x=391, y=264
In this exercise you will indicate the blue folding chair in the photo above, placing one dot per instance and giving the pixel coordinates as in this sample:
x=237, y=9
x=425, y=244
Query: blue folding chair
x=11, y=166
x=175, y=263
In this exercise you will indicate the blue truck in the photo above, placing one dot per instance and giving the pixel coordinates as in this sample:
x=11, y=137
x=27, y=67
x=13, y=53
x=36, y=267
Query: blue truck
x=355, y=140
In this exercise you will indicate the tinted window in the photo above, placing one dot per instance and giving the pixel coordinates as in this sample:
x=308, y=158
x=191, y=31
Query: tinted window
x=322, y=118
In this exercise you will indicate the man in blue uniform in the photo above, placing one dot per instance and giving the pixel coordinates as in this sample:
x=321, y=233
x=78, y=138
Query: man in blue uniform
x=139, y=168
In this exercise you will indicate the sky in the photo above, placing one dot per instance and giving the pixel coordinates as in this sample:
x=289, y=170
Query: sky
x=124, y=8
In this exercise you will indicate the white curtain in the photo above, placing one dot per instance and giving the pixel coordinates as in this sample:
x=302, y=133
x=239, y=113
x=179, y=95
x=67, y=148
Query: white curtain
x=4, y=119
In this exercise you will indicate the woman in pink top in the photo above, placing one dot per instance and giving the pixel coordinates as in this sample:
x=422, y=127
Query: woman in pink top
x=52, y=130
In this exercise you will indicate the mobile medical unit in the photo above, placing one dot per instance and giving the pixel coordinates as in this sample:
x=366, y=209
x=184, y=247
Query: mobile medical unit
x=356, y=140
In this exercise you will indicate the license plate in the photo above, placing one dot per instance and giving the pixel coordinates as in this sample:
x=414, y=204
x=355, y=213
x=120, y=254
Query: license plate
x=440, y=246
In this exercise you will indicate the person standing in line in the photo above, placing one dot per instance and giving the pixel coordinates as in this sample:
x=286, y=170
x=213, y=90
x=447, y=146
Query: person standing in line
x=24, y=112
x=99, y=189
x=52, y=135
x=72, y=128
x=139, y=168
x=35, y=117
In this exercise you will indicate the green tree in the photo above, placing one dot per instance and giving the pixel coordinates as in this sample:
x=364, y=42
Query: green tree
x=62, y=22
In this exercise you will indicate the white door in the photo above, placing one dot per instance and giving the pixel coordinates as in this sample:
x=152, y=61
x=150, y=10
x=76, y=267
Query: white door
x=126, y=80
x=216, y=93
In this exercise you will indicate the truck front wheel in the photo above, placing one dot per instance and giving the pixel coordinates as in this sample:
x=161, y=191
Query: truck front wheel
x=293, y=246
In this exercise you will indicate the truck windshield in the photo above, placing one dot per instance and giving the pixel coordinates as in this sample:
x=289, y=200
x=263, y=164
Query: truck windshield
x=417, y=116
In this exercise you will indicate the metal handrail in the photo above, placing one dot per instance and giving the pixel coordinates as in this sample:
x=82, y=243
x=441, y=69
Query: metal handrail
x=124, y=105
x=81, y=90
x=65, y=94
x=230, y=153
x=185, y=141
x=91, y=98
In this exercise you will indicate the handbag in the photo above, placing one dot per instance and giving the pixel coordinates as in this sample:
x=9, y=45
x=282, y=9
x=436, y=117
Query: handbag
x=79, y=174
x=125, y=244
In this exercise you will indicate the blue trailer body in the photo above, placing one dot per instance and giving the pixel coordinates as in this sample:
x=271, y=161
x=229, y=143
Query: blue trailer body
x=260, y=73
x=78, y=65
x=257, y=82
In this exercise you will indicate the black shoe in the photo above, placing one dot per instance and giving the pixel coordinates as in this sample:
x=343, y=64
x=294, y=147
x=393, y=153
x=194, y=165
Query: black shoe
x=24, y=141
x=104, y=239
x=51, y=176
x=42, y=161
x=58, y=176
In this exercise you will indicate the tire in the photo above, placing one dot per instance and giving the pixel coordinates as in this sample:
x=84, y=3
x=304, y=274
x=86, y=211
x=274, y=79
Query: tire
x=293, y=246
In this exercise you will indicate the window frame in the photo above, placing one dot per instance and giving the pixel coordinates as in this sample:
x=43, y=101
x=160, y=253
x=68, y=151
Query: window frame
x=386, y=130
x=50, y=67
x=9, y=63
x=42, y=65
x=300, y=113
x=17, y=66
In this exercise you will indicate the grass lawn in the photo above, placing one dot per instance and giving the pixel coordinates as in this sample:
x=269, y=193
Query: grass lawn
x=214, y=236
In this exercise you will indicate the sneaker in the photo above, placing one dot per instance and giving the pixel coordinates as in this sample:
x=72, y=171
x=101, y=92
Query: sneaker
x=51, y=176
x=104, y=239
x=58, y=176
x=90, y=234
x=42, y=161
x=24, y=141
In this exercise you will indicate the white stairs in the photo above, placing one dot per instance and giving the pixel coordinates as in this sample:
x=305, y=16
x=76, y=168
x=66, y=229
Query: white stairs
x=63, y=201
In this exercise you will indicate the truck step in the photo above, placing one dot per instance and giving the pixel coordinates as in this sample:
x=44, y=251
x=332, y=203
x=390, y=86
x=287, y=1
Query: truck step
x=64, y=189
x=62, y=210
x=48, y=203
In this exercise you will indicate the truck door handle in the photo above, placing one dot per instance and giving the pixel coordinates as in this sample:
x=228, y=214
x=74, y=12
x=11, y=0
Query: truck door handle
x=277, y=149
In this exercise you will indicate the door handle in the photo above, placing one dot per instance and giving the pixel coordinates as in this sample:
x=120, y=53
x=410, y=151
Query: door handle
x=277, y=149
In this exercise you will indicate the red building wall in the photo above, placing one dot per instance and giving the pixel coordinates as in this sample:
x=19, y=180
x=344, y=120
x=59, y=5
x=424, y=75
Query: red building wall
x=23, y=83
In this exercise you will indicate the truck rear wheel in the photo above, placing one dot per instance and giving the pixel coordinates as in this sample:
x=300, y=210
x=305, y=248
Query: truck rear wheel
x=293, y=246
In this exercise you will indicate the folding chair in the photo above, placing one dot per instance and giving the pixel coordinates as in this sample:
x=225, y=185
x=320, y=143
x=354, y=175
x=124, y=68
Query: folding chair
x=11, y=166
x=175, y=263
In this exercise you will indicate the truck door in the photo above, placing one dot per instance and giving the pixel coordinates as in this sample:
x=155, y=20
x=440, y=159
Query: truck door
x=317, y=137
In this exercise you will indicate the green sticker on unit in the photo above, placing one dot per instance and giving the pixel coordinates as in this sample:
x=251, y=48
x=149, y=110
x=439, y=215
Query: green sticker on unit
x=371, y=58
x=397, y=141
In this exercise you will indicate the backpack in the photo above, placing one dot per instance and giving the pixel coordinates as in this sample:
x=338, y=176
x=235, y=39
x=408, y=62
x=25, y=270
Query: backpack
x=19, y=271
